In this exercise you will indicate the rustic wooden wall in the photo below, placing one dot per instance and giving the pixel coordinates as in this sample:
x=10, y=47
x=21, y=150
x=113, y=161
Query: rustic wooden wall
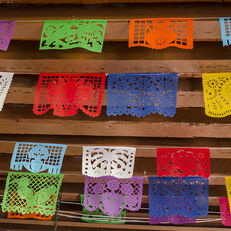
x=189, y=128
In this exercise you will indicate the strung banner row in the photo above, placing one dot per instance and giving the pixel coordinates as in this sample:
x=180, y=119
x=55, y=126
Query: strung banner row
x=137, y=94
x=110, y=187
x=156, y=33
x=171, y=199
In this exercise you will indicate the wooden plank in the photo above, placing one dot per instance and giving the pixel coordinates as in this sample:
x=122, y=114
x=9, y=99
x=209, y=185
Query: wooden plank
x=145, y=151
x=97, y=1
x=187, y=123
x=112, y=226
x=119, y=31
x=108, y=66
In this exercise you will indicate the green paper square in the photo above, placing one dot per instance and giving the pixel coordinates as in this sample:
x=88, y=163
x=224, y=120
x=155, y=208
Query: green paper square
x=67, y=34
x=98, y=216
x=31, y=193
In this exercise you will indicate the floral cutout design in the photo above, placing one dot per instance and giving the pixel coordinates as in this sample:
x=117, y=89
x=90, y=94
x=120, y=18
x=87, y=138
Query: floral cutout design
x=98, y=216
x=225, y=31
x=5, y=81
x=28, y=193
x=161, y=33
x=174, y=196
x=142, y=94
x=108, y=161
x=225, y=211
x=66, y=93
x=217, y=94
x=112, y=195
x=37, y=216
x=183, y=162
x=38, y=157
x=67, y=34
x=6, y=32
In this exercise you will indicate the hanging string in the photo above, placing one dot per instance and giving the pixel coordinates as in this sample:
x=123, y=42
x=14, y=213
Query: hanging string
x=137, y=146
x=113, y=20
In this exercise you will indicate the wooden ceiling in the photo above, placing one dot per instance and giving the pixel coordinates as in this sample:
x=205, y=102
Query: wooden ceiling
x=189, y=128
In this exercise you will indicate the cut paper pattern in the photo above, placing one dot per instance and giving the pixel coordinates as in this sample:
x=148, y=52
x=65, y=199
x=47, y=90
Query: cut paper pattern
x=225, y=211
x=142, y=94
x=5, y=81
x=108, y=161
x=26, y=216
x=6, y=32
x=161, y=33
x=228, y=188
x=38, y=157
x=176, y=220
x=183, y=162
x=66, y=93
x=98, y=216
x=225, y=31
x=28, y=193
x=174, y=196
x=112, y=195
x=67, y=34
x=217, y=97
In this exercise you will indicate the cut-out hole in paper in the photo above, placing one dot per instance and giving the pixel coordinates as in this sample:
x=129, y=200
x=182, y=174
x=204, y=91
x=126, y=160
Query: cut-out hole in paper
x=159, y=33
x=67, y=34
x=217, y=94
x=108, y=161
x=38, y=157
x=6, y=32
x=5, y=81
x=98, y=216
x=66, y=93
x=28, y=193
x=142, y=94
x=183, y=162
x=112, y=195
x=174, y=196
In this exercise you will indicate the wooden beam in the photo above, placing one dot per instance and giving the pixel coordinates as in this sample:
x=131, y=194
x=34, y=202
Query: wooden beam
x=145, y=151
x=108, y=66
x=187, y=123
x=96, y=1
x=119, y=31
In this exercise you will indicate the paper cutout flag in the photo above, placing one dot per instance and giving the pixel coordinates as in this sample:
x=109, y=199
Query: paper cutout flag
x=183, y=162
x=174, y=196
x=225, y=211
x=161, y=33
x=6, y=32
x=98, y=216
x=217, y=97
x=67, y=34
x=176, y=220
x=112, y=195
x=228, y=189
x=5, y=81
x=38, y=157
x=225, y=31
x=142, y=94
x=37, y=216
x=28, y=193
x=108, y=161
x=66, y=93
